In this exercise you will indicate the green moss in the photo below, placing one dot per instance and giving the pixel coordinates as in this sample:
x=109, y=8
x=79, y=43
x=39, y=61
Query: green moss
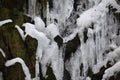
x=50, y=74
x=4, y=13
x=17, y=17
x=14, y=72
x=31, y=46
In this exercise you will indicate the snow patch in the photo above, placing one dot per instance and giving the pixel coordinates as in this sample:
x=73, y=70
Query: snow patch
x=2, y=53
x=5, y=21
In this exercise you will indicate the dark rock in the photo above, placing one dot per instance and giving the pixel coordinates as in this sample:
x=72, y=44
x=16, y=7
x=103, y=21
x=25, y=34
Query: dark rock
x=50, y=4
x=85, y=35
x=75, y=4
x=50, y=74
x=66, y=75
x=71, y=47
x=59, y=40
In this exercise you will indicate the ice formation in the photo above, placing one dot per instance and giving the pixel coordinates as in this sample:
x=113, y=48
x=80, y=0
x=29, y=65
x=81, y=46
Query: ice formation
x=39, y=24
x=97, y=28
x=2, y=53
x=111, y=71
x=5, y=21
x=24, y=66
x=52, y=31
x=32, y=8
x=95, y=17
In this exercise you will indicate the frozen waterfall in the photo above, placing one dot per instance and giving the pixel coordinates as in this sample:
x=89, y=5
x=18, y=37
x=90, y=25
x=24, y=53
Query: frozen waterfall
x=98, y=32
x=77, y=39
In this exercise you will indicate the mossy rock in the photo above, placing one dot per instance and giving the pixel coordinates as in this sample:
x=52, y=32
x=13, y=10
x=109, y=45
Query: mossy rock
x=14, y=72
x=50, y=74
x=18, y=4
x=13, y=45
x=31, y=47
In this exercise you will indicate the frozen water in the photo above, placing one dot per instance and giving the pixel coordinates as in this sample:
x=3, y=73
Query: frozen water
x=39, y=24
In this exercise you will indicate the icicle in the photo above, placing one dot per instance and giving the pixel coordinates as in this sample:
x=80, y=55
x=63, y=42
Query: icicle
x=32, y=8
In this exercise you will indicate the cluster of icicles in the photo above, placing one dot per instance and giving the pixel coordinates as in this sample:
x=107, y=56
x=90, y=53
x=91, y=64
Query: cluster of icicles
x=100, y=28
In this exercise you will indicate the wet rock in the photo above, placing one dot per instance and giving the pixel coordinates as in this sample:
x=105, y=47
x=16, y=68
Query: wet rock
x=85, y=35
x=66, y=75
x=71, y=47
x=50, y=74
x=59, y=41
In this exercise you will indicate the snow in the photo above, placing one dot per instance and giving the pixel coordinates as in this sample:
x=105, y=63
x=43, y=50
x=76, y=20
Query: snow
x=20, y=31
x=24, y=66
x=88, y=78
x=39, y=24
x=52, y=31
x=2, y=53
x=5, y=21
x=29, y=28
x=111, y=71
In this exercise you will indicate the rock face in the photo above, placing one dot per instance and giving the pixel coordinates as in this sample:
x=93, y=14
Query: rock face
x=59, y=41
